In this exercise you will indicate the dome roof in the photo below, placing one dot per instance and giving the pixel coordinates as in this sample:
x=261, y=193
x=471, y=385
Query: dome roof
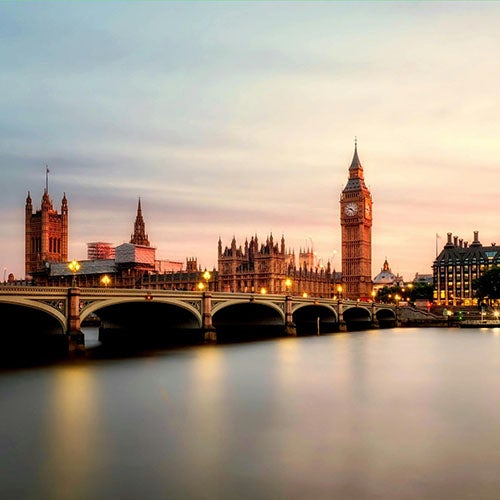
x=385, y=276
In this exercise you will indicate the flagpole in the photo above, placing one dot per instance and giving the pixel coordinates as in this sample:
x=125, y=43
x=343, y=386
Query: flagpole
x=437, y=238
x=47, y=179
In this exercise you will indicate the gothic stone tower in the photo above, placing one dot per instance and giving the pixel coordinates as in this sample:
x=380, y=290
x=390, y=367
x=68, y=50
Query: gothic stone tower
x=356, y=222
x=46, y=234
x=139, y=237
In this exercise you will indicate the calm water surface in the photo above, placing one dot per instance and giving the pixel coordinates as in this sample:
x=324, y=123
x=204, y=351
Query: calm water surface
x=405, y=413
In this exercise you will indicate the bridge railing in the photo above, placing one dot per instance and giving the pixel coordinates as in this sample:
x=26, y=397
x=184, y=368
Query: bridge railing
x=86, y=293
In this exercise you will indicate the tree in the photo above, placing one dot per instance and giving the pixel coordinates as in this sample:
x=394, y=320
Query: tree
x=488, y=285
x=422, y=291
x=388, y=294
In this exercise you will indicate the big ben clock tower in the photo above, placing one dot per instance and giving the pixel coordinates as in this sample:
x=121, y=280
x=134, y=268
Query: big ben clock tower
x=356, y=222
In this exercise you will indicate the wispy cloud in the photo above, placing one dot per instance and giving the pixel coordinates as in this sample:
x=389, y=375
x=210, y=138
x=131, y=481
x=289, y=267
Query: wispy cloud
x=237, y=118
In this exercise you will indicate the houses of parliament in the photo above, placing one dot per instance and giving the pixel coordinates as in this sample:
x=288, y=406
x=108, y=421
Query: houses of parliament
x=254, y=266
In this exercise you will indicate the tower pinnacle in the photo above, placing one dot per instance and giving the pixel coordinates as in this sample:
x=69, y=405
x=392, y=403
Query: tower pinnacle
x=139, y=237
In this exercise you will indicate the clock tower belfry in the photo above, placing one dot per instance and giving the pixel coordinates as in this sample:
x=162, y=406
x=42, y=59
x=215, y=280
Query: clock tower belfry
x=356, y=223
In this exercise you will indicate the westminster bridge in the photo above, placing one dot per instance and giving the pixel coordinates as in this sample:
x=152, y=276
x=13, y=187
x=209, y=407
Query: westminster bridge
x=207, y=316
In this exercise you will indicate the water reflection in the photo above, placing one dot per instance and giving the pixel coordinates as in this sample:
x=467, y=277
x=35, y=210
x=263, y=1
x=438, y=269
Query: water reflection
x=70, y=432
x=202, y=444
x=390, y=414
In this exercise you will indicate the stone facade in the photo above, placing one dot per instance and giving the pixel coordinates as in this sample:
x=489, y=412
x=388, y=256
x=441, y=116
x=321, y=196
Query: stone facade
x=270, y=268
x=356, y=223
x=46, y=234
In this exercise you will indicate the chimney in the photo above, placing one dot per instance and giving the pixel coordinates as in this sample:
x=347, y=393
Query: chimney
x=449, y=244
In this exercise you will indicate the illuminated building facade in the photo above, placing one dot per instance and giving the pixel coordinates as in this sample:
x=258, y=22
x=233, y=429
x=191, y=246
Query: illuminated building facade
x=129, y=265
x=458, y=265
x=269, y=268
x=356, y=224
x=46, y=234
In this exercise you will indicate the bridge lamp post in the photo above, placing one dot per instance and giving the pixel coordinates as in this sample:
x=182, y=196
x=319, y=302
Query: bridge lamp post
x=339, y=291
x=373, y=294
x=288, y=285
x=207, y=276
x=263, y=291
x=201, y=286
x=74, y=267
x=106, y=280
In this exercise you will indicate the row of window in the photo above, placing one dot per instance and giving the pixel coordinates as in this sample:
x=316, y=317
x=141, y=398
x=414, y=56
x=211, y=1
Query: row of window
x=54, y=245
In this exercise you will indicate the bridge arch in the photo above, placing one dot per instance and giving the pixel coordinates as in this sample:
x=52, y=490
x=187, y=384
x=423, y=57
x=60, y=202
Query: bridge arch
x=246, y=319
x=31, y=330
x=97, y=305
x=386, y=317
x=357, y=317
x=133, y=322
x=315, y=318
x=58, y=315
x=229, y=303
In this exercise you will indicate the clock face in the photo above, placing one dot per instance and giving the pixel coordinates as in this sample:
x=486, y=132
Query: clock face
x=351, y=209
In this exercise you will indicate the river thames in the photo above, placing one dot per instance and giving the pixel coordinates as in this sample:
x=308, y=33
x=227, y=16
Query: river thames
x=402, y=413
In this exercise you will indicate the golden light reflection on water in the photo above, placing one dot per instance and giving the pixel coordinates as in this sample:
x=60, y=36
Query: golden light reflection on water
x=72, y=416
x=203, y=436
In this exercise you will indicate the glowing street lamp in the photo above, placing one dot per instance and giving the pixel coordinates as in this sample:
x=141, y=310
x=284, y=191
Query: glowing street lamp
x=373, y=294
x=288, y=285
x=106, y=280
x=207, y=276
x=201, y=286
x=339, y=290
x=74, y=267
x=263, y=290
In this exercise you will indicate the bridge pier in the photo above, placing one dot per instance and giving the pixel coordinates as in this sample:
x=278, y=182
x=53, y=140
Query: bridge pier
x=209, y=333
x=342, y=323
x=375, y=323
x=76, y=338
x=290, y=327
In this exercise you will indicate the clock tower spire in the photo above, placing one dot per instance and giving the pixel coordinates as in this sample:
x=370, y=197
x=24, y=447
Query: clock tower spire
x=356, y=223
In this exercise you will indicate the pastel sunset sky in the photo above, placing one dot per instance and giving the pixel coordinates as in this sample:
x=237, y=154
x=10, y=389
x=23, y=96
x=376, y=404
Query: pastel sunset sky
x=239, y=118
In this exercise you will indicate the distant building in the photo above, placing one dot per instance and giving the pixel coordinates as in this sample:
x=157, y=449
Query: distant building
x=423, y=278
x=386, y=278
x=129, y=265
x=458, y=265
x=99, y=250
x=265, y=268
x=46, y=233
